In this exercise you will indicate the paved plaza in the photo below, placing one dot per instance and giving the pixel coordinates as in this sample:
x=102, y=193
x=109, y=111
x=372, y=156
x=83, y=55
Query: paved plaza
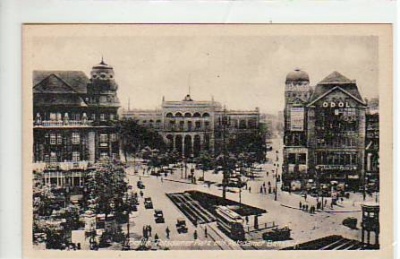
x=282, y=212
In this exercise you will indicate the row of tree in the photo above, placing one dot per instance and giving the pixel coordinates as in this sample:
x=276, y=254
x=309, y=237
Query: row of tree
x=137, y=139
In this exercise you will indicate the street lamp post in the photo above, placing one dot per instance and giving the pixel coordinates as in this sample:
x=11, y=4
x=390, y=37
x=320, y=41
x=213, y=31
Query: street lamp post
x=184, y=160
x=276, y=184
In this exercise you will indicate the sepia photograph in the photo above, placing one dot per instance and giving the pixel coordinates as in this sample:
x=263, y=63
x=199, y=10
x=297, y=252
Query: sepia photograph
x=256, y=138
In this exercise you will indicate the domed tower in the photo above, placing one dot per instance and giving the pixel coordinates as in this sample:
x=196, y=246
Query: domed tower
x=102, y=92
x=297, y=95
x=297, y=87
x=103, y=107
x=103, y=85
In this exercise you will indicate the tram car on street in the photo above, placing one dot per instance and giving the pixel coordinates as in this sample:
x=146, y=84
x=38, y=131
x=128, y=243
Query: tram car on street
x=230, y=223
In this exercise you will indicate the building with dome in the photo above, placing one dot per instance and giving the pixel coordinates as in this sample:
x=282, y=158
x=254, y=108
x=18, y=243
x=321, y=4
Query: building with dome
x=72, y=120
x=190, y=126
x=324, y=131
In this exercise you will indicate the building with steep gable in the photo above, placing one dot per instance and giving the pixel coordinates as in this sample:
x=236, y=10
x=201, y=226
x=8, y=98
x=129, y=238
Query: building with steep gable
x=325, y=128
x=73, y=119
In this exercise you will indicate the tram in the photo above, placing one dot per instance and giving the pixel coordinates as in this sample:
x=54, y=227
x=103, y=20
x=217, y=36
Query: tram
x=230, y=223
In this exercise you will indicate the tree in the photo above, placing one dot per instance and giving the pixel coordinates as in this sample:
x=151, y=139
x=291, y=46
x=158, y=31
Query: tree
x=133, y=137
x=106, y=187
x=228, y=163
x=206, y=160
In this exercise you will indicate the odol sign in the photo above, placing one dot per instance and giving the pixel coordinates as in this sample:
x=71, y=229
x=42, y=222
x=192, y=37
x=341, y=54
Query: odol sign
x=339, y=104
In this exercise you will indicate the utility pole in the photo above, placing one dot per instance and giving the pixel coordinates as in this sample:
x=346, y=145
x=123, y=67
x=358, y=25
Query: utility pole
x=225, y=178
x=276, y=183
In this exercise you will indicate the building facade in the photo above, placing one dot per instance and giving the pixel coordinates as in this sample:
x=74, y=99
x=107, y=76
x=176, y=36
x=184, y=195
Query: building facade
x=372, y=145
x=190, y=127
x=73, y=118
x=324, y=131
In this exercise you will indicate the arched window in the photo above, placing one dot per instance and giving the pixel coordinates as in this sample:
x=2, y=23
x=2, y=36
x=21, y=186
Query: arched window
x=178, y=114
x=242, y=124
x=206, y=114
x=169, y=115
x=188, y=115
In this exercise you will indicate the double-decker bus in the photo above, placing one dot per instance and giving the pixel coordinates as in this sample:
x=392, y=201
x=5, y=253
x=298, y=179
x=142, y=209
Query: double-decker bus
x=230, y=222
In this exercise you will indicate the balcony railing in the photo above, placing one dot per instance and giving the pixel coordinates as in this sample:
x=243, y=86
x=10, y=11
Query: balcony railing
x=69, y=123
x=64, y=166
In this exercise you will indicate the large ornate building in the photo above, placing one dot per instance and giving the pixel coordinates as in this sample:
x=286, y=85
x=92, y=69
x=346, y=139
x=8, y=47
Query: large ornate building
x=190, y=126
x=73, y=117
x=325, y=128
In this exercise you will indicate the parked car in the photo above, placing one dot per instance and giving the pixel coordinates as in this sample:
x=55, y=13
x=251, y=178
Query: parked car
x=148, y=204
x=350, y=222
x=181, y=225
x=277, y=234
x=159, y=216
x=140, y=185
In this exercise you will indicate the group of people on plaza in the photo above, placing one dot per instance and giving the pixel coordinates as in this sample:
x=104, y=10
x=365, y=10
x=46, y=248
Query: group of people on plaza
x=146, y=231
x=319, y=204
x=263, y=188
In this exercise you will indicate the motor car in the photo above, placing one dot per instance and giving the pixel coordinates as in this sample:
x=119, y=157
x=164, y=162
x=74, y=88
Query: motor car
x=159, y=216
x=140, y=185
x=277, y=234
x=148, y=203
x=350, y=222
x=181, y=225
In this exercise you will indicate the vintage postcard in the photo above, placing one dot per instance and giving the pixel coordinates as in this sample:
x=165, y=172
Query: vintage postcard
x=183, y=140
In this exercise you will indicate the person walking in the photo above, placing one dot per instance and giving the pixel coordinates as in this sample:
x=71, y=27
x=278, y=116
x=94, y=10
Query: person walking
x=249, y=189
x=205, y=232
x=167, y=231
x=305, y=197
x=195, y=234
x=145, y=232
x=195, y=221
x=300, y=205
x=149, y=229
x=261, y=189
x=247, y=219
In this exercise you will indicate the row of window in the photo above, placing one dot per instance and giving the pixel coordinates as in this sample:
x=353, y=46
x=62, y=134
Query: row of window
x=53, y=116
x=187, y=115
x=336, y=140
x=76, y=157
x=57, y=139
x=297, y=159
x=326, y=158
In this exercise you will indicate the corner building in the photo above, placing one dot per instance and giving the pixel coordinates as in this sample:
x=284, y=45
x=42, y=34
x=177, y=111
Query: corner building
x=73, y=117
x=324, y=131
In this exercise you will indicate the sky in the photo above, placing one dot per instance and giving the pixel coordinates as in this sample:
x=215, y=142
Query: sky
x=240, y=70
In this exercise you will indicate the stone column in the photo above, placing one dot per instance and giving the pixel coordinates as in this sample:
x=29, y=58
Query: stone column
x=183, y=145
x=91, y=146
x=201, y=142
x=192, y=144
